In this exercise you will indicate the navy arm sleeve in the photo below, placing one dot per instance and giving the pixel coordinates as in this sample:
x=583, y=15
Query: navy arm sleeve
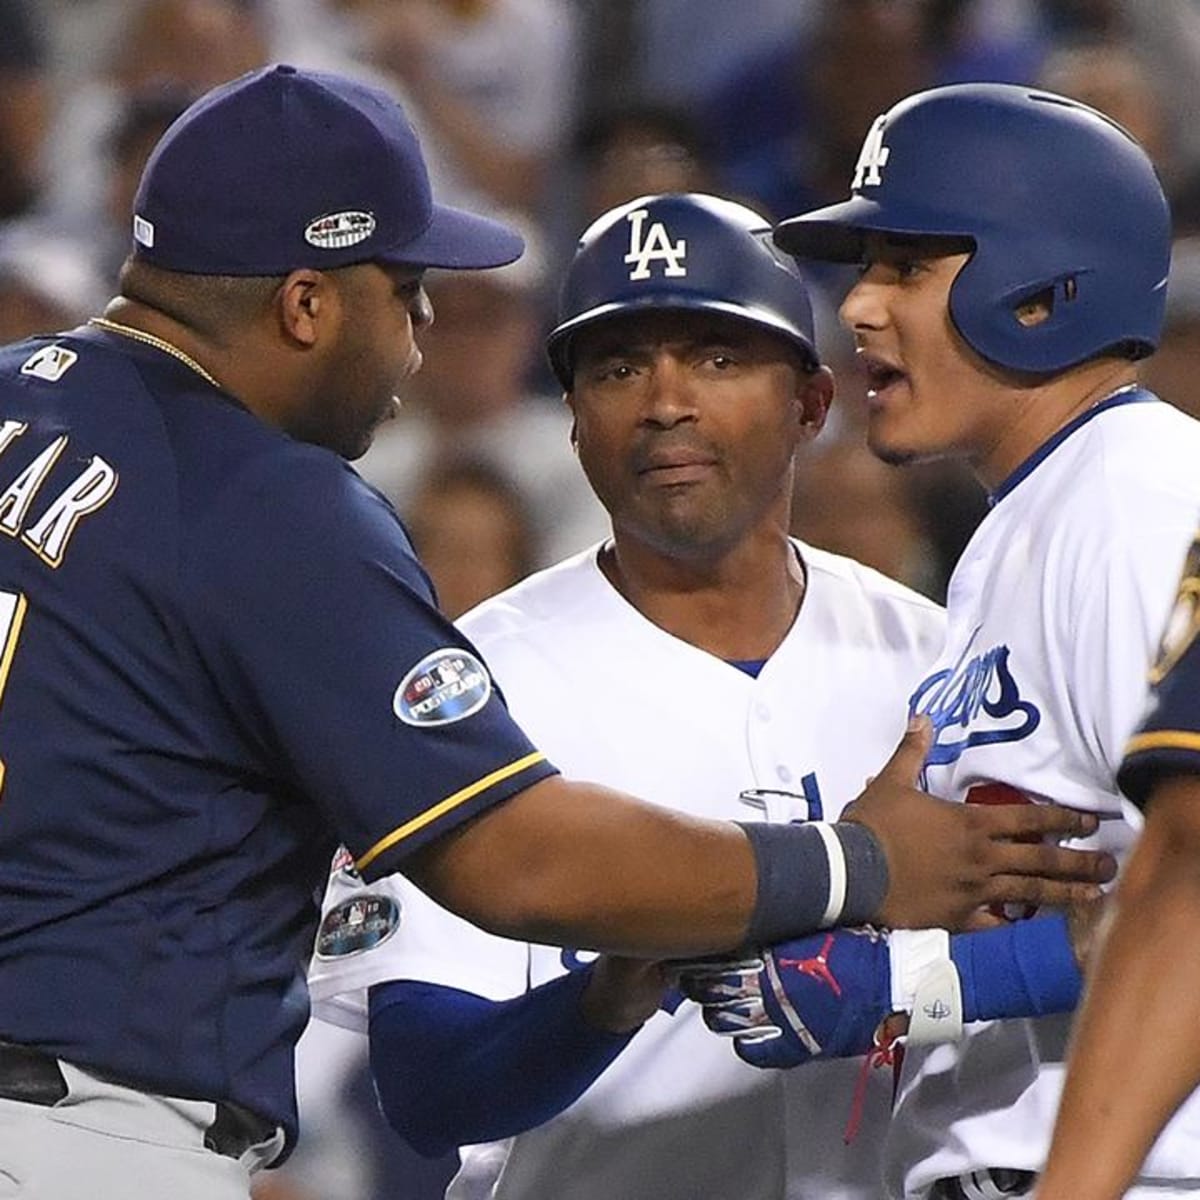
x=453, y=1068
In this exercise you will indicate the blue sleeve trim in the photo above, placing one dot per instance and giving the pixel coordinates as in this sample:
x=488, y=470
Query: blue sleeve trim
x=452, y=1068
x=1026, y=969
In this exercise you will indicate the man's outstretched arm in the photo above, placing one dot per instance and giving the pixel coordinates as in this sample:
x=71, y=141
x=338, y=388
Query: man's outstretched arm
x=570, y=863
x=453, y=1068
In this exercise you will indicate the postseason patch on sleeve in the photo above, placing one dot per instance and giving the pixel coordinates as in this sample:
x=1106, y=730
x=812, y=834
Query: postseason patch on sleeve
x=445, y=686
x=357, y=925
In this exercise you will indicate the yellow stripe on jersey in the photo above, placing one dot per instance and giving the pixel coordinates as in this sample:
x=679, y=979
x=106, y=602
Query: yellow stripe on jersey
x=444, y=806
x=1163, y=739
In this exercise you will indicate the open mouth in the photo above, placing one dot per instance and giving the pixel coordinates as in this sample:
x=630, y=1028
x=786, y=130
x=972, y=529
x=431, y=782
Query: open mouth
x=881, y=375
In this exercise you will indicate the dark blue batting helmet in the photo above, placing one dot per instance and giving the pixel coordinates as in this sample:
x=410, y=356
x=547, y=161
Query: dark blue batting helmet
x=681, y=250
x=1056, y=198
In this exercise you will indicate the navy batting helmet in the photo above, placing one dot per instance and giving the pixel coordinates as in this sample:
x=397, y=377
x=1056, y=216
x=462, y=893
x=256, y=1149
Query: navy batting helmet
x=681, y=250
x=1056, y=198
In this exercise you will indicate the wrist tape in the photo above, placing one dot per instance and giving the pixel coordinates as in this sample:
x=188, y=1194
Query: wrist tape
x=925, y=984
x=1025, y=969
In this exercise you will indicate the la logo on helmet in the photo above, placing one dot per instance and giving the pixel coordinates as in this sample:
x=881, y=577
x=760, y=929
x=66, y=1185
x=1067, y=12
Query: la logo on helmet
x=871, y=158
x=656, y=245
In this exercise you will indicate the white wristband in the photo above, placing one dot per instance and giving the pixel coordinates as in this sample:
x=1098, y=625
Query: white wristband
x=837, y=874
x=925, y=984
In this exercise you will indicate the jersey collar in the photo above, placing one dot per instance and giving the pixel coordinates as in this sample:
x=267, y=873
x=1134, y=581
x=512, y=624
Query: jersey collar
x=1130, y=394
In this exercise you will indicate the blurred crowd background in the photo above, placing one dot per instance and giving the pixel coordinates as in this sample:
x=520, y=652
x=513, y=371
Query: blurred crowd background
x=546, y=113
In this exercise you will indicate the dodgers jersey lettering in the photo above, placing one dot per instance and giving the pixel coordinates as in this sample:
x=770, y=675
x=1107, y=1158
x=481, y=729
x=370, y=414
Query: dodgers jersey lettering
x=615, y=699
x=195, y=708
x=1055, y=611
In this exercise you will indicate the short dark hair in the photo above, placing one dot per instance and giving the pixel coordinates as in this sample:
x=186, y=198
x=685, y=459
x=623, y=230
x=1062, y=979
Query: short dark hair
x=209, y=305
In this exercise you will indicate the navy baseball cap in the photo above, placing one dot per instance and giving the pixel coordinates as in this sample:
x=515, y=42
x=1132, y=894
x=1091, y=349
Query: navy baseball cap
x=283, y=168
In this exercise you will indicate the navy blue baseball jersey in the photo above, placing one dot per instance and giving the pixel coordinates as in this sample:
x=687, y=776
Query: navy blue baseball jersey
x=1168, y=739
x=219, y=657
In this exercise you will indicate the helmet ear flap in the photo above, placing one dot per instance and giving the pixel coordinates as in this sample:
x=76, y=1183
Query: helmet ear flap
x=1039, y=326
x=1012, y=325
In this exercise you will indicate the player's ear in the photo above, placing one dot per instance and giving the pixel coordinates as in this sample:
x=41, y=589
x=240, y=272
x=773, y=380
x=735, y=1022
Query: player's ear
x=569, y=401
x=814, y=394
x=304, y=303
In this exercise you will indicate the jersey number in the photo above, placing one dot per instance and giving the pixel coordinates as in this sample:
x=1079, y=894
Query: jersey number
x=12, y=614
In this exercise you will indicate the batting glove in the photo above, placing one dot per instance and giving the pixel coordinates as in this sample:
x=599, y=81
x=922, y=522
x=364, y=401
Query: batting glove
x=825, y=995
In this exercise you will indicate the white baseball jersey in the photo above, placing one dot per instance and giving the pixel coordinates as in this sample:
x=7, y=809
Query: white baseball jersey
x=1055, y=611
x=611, y=697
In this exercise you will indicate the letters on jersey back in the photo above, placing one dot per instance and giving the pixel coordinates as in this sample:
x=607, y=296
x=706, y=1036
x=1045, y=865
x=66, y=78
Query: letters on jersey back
x=46, y=529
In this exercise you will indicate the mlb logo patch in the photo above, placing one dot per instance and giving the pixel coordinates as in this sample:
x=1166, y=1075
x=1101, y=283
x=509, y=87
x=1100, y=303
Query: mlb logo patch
x=357, y=925
x=50, y=363
x=445, y=686
x=335, y=231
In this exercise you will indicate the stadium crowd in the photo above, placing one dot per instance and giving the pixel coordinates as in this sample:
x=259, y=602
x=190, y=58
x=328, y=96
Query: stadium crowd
x=547, y=113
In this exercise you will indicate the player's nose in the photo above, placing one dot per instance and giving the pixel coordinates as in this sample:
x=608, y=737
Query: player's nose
x=420, y=309
x=863, y=307
x=669, y=394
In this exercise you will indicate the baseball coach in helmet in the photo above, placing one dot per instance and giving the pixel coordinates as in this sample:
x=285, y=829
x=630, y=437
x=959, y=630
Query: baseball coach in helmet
x=701, y=643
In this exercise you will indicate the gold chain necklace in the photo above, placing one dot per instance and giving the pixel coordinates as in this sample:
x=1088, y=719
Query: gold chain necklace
x=140, y=335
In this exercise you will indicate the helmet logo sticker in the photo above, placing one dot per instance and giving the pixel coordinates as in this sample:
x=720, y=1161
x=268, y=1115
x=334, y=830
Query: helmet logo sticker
x=656, y=245
x=872, y=157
